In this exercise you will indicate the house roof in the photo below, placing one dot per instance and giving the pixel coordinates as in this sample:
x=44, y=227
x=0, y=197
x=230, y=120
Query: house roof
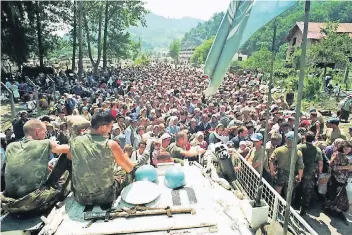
x=314, y=29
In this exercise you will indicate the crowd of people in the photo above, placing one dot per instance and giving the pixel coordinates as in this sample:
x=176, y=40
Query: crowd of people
x=158, y=113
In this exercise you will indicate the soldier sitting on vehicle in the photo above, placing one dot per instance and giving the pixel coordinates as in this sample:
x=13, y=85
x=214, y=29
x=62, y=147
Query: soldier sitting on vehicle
x=28, y=188
x=93, y=157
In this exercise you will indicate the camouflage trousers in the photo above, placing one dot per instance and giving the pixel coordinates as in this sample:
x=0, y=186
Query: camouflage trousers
x=281, y=178
x=303, y=192
x=38, y=201
x=108, y=195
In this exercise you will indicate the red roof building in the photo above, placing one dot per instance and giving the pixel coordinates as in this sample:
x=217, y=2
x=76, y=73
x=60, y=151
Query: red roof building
x=294, y=37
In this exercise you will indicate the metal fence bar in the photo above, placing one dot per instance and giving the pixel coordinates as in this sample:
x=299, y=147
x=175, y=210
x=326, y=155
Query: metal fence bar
x=248, y=179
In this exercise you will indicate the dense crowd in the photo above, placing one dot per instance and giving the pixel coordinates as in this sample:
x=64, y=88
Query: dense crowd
x=160, y=114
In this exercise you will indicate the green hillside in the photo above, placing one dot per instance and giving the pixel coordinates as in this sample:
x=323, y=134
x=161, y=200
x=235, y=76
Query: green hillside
x=320, y=12
x=161, y=31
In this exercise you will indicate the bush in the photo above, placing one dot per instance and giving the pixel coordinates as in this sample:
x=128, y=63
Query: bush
x=142, y=60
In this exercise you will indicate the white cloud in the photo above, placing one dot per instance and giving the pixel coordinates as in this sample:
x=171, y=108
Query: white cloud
x=202, y=9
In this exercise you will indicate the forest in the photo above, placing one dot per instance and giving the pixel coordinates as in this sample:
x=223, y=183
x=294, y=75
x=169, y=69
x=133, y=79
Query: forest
x=29, y=30
x=321, y=11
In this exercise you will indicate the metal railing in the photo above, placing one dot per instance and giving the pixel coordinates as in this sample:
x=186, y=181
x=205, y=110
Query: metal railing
x=248, y=180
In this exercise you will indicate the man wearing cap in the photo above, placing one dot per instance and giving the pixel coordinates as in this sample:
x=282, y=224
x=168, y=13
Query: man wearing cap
x=256, y=154
x=282, y=157
x=311, y=156
x=333, y=131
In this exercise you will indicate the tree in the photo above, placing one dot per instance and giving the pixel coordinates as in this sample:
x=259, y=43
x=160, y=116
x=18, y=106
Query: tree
x=331, y=49
x=203, y=31
x=201, y=52
x=259, y=60
x=74, y=36
x=174, y=50
x=142, y=60
x=15, y=27
x=119, y=15
x=47, y=15
x=80, y=42
x=99, y=6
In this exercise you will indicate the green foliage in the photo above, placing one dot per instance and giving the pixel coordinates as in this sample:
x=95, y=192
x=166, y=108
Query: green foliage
x=332, y=48
x=259, y=60
x=294, y=60
x=202, y=32
x=20, y=22
x=15, y=40
x=174, y=50
x=142, y=60
x=321, y=11
x=200, y=53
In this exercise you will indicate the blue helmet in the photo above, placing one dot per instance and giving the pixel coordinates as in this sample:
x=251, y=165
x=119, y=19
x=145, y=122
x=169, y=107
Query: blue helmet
x=174, y=177
x=146, y=172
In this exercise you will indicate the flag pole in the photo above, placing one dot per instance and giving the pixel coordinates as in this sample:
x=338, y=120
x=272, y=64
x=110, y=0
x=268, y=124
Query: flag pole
x=260, y=187
x=298, y=112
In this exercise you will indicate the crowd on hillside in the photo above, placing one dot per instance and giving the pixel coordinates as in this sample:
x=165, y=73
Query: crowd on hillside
x=160, y=111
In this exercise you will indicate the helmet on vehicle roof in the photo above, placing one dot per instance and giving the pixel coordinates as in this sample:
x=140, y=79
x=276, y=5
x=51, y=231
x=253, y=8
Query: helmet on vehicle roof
x=174, y=177
x=146, y=172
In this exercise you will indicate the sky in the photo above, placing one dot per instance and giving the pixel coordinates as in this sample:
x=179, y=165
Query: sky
x=201, y=9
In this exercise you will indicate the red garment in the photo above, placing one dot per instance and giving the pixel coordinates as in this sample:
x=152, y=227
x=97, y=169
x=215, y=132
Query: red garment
x=188, y=146
x=114, y=113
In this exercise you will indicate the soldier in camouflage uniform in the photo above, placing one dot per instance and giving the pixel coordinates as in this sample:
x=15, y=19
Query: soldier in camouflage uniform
x=28, y=188
x=93, y=162
x=311, y=155
x=282, y=157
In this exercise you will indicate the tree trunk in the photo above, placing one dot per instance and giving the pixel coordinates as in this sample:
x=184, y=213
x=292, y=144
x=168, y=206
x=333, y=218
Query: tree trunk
x=74, y=36
x=80, y=52
x=105, y=35
x=325, y=66
x=39, y=37
x=94, y=64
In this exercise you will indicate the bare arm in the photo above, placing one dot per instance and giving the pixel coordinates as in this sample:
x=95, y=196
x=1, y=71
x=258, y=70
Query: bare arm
x=120, y=158
x=320, y=166
x=272, y=168
x=256, y=164
x=192, y=152
x=318, y=129
x=300, y=174
x=59, y=148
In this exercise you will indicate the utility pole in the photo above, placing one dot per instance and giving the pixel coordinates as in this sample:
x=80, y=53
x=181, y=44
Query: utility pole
x=298, y=113
x=345, y=77
x=260, y=187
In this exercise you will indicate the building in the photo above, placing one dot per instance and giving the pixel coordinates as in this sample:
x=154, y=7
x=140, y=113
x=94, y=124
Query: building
x=295, y=36
x=185, y=54
x=239, y=57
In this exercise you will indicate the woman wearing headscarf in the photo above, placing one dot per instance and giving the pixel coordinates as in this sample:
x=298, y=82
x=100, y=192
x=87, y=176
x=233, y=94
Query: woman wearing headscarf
x=199, y=140
x=336, y=201
x=217, y=135
x=86, y=114
x=173, y=129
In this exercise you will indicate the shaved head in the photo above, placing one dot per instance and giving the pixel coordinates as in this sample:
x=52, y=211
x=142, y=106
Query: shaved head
x=31, y=128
